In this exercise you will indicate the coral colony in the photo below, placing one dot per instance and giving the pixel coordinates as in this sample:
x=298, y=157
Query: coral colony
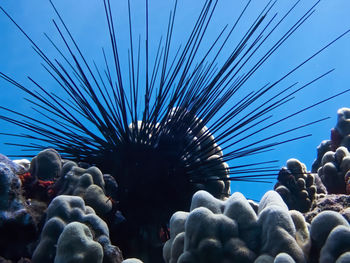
x=153, y=185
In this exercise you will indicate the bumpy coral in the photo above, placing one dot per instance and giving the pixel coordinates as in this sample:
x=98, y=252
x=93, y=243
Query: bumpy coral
x=39, y=175
x=17, y=226
x=231, y=231
x=330, y=234
x=322, y=148
x=86, y=183
x=47, y=165
x=340, y=136
x=343, y=124
x=76, y=244
x=337, y=246
x=62, y=211
x=298, y=187
x=335, y=170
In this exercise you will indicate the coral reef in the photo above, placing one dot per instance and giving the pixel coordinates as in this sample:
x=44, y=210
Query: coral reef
x=298, y=187
x=231, y=231
x=62, y=211
x=76, y=244
x=332, y=202
x=340, y=136
x=334, y=170
x=86, y=183
x=305, y=220
x=17, y=225
x=46, y=165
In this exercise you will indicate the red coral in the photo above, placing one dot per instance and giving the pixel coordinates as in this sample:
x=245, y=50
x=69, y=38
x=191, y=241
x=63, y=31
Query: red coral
x=164, y=234
x=26, y=178
x=35, y=188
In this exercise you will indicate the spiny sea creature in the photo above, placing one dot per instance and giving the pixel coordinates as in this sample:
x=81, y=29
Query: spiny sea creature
x=149, y=116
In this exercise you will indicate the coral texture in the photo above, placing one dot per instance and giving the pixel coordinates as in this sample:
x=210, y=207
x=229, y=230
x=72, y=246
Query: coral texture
x=17, y=226
x=76, y=244
x=340, y=136
x=334, y=170
x=298, y=187
x=62, y=211
x=86, y=183
x=333, y=202
x=231, y=231
x=46, y=165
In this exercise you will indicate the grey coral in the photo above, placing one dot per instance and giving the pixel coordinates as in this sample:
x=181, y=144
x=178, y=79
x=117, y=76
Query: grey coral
x=62, y=211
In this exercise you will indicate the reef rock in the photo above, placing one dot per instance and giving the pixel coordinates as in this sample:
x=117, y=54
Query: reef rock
x=15, y=167
x=17, y=226
x=332, y=202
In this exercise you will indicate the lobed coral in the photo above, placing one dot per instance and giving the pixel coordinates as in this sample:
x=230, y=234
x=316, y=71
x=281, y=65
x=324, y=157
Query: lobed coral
x=297, y=186
x=76, y=244
x=327, y=241
x=340, y=136
x=231, y=231
x=343, y=127
x=46, y=165
x=335, y=170
x=62, y=211
x=39, y=175
x=86, y=183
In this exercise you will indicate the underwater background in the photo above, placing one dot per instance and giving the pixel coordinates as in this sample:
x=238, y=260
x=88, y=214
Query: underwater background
x=88, y=25
x=61, y=197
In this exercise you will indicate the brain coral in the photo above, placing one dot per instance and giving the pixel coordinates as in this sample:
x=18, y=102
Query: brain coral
x=62, y=211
